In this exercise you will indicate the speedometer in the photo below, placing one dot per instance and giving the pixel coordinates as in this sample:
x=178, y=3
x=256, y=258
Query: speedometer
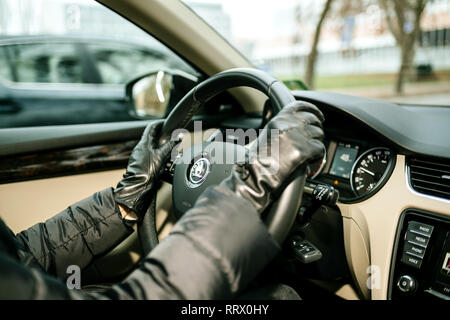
x=371, y=170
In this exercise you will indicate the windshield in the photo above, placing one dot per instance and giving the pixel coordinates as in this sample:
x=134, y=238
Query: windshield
x=392, y=50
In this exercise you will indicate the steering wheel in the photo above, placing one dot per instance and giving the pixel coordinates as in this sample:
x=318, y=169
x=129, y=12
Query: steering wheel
x=196, y=171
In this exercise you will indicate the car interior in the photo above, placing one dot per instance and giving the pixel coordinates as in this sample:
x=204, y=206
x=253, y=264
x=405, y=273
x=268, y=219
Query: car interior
x=371, y=221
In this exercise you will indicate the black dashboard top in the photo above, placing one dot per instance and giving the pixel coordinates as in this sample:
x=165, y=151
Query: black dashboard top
x=409, y=130
x=418, y=130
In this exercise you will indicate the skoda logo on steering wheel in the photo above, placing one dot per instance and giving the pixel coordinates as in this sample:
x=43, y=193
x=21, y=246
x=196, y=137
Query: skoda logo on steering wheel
x=198, y=172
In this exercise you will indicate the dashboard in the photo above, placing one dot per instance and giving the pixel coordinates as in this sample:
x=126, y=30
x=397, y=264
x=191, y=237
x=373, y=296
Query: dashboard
x=391, y=166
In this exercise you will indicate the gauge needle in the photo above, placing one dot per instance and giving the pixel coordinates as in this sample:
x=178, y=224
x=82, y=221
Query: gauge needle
x=369, y=172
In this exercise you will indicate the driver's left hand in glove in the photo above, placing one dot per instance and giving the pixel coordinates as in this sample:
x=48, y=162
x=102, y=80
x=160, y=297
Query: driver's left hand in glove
x=146, y=164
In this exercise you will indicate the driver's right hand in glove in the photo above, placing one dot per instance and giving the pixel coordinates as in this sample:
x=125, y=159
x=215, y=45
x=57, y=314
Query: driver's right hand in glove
x=291, y=139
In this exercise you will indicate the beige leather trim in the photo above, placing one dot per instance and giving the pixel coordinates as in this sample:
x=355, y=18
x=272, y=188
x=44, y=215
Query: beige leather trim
x=357, y=255
x=23, y=204
x=371, y=226
x=186, y=33
x=347, y=292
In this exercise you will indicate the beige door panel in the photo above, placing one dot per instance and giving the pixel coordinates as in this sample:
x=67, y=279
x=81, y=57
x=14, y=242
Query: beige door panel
x=357, y=255
x=23, y=204
x=372, y=225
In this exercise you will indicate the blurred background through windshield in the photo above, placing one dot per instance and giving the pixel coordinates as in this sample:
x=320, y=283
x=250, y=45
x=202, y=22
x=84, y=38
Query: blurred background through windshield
x=388, y=49
x=67, y=61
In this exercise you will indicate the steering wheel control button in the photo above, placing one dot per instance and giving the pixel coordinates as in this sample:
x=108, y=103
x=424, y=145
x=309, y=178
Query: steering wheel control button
x=411, y=260
x=406, y=284
x=417, y=239
x=305, y=251
x=420, y=228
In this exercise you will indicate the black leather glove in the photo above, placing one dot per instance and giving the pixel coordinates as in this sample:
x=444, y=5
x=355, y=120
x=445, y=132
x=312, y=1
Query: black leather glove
x=146, y=164
x=267, y=170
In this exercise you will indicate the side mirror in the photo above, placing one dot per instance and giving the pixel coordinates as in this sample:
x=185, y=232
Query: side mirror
x=154, y=94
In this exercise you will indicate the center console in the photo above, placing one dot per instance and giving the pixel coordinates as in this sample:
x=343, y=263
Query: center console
x=421, y=257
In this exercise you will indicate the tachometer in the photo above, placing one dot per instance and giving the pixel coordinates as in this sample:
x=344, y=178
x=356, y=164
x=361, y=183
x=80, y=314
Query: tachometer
x=370, y=170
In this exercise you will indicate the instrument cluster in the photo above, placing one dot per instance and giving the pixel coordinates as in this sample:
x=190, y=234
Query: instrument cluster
x=358, y=171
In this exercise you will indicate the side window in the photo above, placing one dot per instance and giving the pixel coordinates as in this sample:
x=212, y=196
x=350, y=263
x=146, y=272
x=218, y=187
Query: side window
x=67, y=62
x=5, y=67
x=113, y=63
x=119, y=63
x=45, y=63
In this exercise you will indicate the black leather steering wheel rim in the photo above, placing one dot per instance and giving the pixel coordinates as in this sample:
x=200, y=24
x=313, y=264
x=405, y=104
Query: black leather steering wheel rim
x=282, y=214
x=182, y=113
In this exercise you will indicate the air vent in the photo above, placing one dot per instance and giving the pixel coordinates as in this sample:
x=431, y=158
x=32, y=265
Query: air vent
x=430, y=177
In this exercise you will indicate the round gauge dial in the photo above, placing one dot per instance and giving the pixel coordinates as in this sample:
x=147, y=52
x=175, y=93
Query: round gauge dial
x=316, y=167
x=370, y=169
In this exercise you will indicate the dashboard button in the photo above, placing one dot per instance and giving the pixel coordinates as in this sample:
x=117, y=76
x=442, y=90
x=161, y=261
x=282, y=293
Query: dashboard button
x=417, y=239
x=406, y=284
x=411, y=260
x=420, y=228
x=414, y=250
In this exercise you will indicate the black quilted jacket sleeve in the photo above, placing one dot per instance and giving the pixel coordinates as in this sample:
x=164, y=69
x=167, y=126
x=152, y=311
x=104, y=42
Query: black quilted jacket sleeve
x=85, y=230
x=213, y=252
